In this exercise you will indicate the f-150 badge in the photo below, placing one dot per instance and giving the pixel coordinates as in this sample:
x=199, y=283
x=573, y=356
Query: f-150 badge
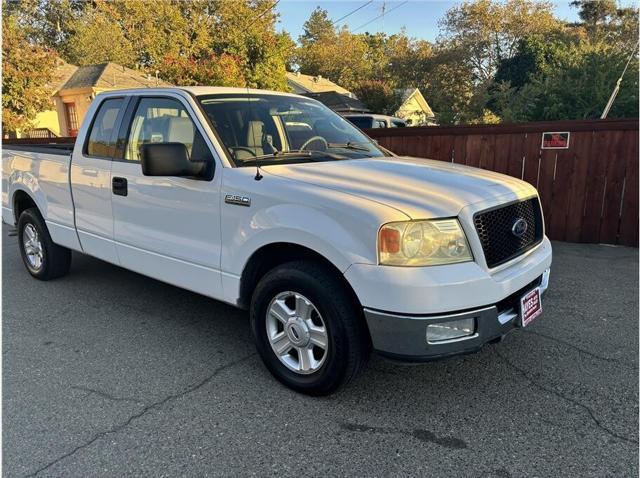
x=237, y=200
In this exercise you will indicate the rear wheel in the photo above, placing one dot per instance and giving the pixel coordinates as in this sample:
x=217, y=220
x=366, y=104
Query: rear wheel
x=43, y=259
x=308, y=328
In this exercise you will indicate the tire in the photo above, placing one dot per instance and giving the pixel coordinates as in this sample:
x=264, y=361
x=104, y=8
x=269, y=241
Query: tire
x=334, y=309
x=43, y=259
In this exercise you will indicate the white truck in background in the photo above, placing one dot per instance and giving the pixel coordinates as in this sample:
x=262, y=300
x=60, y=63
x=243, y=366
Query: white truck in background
x=271, y=202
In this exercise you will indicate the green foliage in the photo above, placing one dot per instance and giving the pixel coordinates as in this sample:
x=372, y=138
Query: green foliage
x=165, y=36
x=489, y=31
x=26, y=71
x=317, y=28
x=43, y=22
x=97, y=39
x=508, y=59
x=340, y=56
x=378, y=96
x=212, y=70
x=576, y=85
x=595, y=12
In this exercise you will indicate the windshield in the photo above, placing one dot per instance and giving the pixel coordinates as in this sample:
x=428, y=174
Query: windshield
x=277, y=128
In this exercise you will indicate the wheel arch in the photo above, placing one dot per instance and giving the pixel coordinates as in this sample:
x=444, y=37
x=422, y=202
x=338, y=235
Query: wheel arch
x=269, y=256
x=22, y=201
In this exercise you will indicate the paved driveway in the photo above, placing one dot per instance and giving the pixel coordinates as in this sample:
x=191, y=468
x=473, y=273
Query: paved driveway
x=109, y=373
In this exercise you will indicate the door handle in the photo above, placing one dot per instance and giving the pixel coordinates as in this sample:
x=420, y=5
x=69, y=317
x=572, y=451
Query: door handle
x=119, y=186
x=90, y=172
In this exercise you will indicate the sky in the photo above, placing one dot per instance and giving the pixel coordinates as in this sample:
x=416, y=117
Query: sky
x=419, y=17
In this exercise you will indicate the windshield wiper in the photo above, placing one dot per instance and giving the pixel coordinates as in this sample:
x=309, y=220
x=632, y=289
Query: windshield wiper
x=313, y=155
x=349, y=145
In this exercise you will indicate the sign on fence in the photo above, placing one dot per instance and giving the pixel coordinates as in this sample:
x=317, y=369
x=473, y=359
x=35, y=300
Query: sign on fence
x=555, y=140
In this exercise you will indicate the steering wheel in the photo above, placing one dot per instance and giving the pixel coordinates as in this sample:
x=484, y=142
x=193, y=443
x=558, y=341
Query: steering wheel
x=311, y=140
x=243, y=148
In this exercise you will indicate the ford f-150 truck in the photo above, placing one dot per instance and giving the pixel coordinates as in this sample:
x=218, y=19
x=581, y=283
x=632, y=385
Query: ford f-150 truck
x=271, y=202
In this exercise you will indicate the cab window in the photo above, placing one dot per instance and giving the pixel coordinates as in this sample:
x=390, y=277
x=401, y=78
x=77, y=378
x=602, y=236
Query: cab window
x=361, y=122
x=164, y=120
x=101, y=140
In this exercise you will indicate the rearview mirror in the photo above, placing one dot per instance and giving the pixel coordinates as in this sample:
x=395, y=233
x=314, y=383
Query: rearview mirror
x=170, y=159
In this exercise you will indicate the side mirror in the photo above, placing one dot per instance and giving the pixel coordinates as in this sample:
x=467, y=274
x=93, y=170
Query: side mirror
x=170, y=159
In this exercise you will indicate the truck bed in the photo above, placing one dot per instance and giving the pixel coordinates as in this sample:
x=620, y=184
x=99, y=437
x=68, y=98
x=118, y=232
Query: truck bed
x=43, y=171
x=62, y=146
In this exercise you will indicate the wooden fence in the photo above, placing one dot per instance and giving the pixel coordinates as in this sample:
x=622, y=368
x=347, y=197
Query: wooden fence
x=589, y=191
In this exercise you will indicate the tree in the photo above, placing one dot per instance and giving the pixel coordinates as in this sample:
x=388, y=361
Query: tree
x=213, y=70
x=595, y=12
x=246, y=29
x=26, y=71
x=576, y=85
x=604, y=21
x=448, y=84
x=97, y=39
x=378, y=96
x=489, y=31
x=342, y=58
x=317, y=28
x=47, y=23
x=175, y=34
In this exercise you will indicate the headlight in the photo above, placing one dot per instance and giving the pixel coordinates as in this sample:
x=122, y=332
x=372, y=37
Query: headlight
x=423, y=243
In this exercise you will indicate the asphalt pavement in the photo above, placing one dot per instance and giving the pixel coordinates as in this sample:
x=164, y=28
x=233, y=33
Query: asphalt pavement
x=110, y=373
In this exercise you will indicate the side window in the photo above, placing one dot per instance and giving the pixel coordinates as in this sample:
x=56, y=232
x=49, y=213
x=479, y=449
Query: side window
x=397, y=124
x=164, y=120
x=379, y=124
x=101, y=141
x=361, y=122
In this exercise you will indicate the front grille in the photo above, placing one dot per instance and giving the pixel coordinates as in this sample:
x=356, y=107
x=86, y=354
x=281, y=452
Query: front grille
x=494, y=227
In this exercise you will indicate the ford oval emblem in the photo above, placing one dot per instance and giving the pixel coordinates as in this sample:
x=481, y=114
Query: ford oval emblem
x=519, y=227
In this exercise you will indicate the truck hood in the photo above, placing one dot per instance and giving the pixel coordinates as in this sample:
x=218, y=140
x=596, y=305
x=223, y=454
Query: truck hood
x=420, y=188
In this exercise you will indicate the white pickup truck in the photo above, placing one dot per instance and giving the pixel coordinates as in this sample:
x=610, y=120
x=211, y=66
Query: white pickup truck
x=271, y=202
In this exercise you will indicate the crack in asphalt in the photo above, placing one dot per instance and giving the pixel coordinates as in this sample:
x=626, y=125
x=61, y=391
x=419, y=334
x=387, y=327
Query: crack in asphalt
x=144, y=411
x=584, y=351
x=418, y=433
x=106, y=395
x=558, y=394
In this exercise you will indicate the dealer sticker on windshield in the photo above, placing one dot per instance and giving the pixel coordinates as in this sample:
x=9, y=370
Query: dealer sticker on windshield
x=530, y=306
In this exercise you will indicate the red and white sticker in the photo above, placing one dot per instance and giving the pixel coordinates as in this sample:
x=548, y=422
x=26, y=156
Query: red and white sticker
x=530, y=306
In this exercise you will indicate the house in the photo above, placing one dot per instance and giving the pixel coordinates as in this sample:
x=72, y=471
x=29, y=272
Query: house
x=302, y=84
x=46, y=122
x=414, y=109
x=74, y=88
x=340, y=103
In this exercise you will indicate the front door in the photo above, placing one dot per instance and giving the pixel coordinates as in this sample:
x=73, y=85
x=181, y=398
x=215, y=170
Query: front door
x=71, y=116
x=91, y=182
x=167, y=227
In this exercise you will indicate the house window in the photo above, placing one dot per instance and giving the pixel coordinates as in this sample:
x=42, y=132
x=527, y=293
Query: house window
x=72, y=118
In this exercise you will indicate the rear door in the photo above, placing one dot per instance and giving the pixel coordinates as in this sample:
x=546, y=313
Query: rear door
x=166, y=227
x=91, y=181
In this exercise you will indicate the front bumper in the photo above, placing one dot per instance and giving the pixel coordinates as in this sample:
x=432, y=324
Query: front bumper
x=404, y=336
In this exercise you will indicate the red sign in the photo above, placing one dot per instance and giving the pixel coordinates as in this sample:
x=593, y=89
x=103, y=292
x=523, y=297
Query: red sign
x=530, y=306
x=555, y=140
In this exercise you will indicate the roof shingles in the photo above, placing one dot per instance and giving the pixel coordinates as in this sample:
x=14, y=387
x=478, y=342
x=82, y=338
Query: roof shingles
x=110, y=76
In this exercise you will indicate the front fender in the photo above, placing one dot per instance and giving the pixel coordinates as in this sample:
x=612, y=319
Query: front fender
x=340, y=227
x=300, y=225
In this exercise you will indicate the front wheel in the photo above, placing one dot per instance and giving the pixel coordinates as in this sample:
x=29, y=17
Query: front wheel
x=308, y=328
x=43, y=259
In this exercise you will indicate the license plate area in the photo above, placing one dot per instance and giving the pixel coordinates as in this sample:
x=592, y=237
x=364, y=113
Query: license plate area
x=530, y=307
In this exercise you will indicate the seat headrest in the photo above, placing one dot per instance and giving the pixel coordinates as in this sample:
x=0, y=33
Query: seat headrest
x=255, y=134
x=179, y=130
